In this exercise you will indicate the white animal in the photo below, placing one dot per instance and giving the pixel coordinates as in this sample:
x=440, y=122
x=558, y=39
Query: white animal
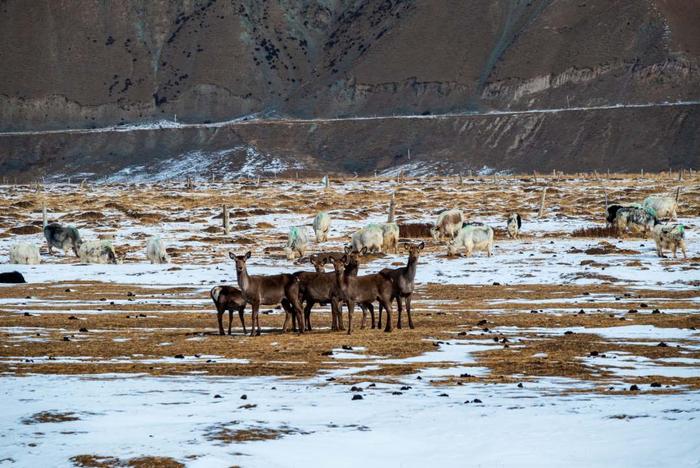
x=448, y=224
x=296, y=242
x=664, y=207
x=25, y=254
x=671, y=237
x=322, y=224
x=390, y=235
x=472, y=237
x=155, y=251
x=371, y=237
x=514, y=225
x=97, y=251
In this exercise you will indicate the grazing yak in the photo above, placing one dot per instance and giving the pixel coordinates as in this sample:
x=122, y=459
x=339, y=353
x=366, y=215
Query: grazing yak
x=671, y=237
x=448, y=224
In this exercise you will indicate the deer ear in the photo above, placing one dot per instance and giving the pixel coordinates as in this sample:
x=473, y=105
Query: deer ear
x=247, y=255
x=348, y=249
x=344, y=258
x=363, y=251
x=421, y=246
x=406, y=246
x=232, y=255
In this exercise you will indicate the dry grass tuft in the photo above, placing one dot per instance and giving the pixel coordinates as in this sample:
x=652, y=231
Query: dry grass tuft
x=596, y=231
x=50, y=417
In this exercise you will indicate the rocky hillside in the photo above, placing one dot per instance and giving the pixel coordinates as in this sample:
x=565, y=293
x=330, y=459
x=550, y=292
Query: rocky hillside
x=86, y=64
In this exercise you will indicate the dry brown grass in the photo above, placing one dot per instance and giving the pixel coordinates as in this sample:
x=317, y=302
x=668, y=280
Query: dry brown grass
x=100, y=461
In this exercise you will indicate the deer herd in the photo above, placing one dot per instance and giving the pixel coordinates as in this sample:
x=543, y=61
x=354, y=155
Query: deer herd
x=341, y=286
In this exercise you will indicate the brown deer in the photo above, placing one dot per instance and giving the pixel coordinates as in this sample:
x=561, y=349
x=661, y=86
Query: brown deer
x=317, y=287
x=402, y=281
x=362, y=289
x=228, y=298
x=260, y=290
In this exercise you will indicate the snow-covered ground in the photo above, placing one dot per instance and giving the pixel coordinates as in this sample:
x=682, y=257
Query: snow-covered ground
x=538, y=425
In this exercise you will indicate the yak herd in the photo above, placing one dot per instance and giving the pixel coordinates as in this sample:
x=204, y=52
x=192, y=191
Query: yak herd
x=298, y=292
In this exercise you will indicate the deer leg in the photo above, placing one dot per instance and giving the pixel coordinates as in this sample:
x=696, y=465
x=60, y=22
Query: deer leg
x=351, y=309
x=387, y=306
x=341, y=325
x=408, y=311
x=254, y=314
x=379, y=324
x=230, y=319
x=298, y=311
x=398, y=306
x=371, y=312
x=240, y=315
x=307, y=314
x=335, y=314
x=288, y=315
x=364, y=316
x=219, y=317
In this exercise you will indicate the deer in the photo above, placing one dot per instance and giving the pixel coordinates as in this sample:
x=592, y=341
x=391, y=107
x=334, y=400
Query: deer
x=403, y=283
x=228, y=298
x=361, y=289
x=267, y=290
x=318, y=287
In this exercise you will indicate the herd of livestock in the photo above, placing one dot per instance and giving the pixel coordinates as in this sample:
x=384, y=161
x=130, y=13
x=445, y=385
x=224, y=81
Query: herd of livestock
x=298, y=292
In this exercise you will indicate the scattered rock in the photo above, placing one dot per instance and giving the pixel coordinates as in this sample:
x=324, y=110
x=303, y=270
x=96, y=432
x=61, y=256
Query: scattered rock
x=581, y=312
x=568, y=332
x=533, y=312
x=632, y=311
x=593, y=353
x=481, y=323
x=372, y=385
x=67, y=290
x=248, y=406
x=496, y=283
x=643, y=305
x=330, y=379
x=634, y=388
x=217, y=396
x=83, y=330
x=355, y=389
x=66, y=338
x=357, y=397
x=405, y=387
x=443, y=395
x=327, y=353
x=656, y=311
x=130, y=294
x=662, y=345
x=347, y=347
x=462, y=333
x=244, y=397
x=476, y=400
x=179, y=356
x=520, y=385
x=419, y=378
x=655, y=385
x=72, y=317
x=396, y=393
x=27, y=314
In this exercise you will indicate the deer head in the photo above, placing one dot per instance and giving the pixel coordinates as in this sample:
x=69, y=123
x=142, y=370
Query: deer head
x=414, y=250
x=240, y=261
x=339, y=264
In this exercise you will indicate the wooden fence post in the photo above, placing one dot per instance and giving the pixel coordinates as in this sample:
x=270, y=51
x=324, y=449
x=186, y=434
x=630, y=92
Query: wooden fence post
x=227, y=228
x=544, y=193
